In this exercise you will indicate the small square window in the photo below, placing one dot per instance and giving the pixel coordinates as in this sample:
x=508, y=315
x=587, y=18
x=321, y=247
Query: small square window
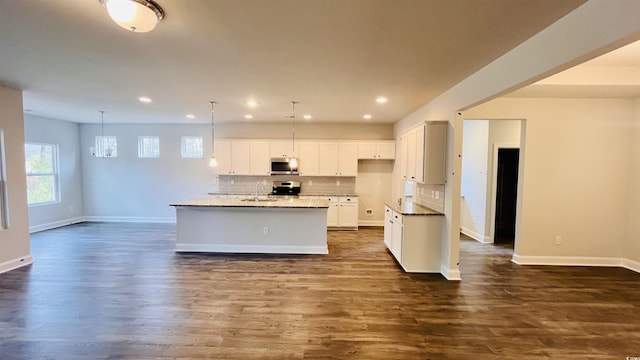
x=192, y=147
x=148, y=147
x=106, y=146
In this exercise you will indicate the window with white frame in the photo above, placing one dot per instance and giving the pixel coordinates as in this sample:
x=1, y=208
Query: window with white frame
x=192, y=147
x=41, y=162
x=148, y=147
x=106, y=146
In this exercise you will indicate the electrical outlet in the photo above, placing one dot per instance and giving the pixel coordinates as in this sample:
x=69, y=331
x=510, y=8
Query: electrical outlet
x=337, y=182
x=310, y=182
x=437, y=195
x=264, y=182
x=265, y=230
x=369, y=212
x=233, y=181
x=558, y=240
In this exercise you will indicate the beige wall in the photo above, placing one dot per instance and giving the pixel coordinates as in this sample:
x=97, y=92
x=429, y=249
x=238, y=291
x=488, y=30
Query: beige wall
x=373, y=186
x=574, y=168
x=631, y=245
x=305, y=131
x=14, y=241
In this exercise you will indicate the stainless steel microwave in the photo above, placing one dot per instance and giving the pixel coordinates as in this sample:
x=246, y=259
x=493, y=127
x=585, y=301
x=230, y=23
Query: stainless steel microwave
x=284, y=166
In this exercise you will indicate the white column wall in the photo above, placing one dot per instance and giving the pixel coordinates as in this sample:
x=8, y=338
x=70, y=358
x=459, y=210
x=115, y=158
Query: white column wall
x=475, y=164
x=631, y=246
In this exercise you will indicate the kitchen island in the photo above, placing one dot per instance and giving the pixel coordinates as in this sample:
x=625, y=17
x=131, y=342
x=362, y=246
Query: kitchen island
x=265, y=225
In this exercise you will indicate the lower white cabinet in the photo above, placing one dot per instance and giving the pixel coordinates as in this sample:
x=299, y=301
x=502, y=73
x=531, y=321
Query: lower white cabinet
x=342, y=213
x=414, y=240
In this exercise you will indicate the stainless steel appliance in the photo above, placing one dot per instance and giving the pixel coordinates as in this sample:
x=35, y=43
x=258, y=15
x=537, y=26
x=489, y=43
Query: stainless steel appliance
x=284, y=166
x=291, y=188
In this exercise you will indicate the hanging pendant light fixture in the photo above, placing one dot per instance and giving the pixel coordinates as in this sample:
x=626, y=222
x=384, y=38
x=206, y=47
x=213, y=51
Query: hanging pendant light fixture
x=293, y=161
x=105, y=148
x=212, y=162
x=134, y=15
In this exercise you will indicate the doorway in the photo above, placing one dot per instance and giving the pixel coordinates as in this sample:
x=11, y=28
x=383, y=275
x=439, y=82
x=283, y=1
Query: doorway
x=506, y=195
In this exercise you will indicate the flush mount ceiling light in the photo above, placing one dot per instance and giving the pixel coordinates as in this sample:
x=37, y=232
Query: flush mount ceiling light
x=381, y=100
x=144, y=99
x=366, y=116
x=134, y=15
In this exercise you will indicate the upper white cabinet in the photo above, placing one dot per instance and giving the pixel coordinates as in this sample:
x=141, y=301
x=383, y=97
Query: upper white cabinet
x=338, y=159
x=242, y=157
x=283, y=148
x=377, y=150
x=423, y=153
x=260, y=158
x=309, y=152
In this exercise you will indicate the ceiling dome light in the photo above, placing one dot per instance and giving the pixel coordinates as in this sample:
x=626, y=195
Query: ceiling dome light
x=144, y=99
x=134, y=15
x=190, y=116
x=307, y=117
x=381, y=100
x=367, y=116
x=248, y=116
x=252, y=103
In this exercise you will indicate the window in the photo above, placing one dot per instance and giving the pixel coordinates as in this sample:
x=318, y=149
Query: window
x=408, y=188
x=192, y=147
x=106, y=146
x=42, y=173
x=148, y=147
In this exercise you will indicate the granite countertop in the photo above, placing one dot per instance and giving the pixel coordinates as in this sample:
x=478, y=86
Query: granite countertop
x=411, y=208
x=253, y=194
x=264, y=202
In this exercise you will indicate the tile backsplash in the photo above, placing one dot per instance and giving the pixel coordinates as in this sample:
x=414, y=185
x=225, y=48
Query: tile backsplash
x=431, y=196
x=310, y=185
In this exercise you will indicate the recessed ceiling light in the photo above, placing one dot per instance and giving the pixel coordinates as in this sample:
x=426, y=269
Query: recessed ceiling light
x=248, y=116
x=367, y=116
x=144, y=99
x=381, y=100
x=307, y=116
x=252, y=103
x=191, y=116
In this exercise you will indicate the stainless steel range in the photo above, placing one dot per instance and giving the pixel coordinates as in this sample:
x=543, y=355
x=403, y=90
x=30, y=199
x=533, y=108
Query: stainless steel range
x=291, y=188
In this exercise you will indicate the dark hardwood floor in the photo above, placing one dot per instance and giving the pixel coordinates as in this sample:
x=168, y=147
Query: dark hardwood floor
x=118, y=291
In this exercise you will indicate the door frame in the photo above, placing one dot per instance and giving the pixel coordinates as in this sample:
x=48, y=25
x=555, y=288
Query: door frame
x=494, y=184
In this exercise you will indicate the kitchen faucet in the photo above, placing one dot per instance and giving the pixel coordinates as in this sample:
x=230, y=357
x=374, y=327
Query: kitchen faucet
x=259, y=184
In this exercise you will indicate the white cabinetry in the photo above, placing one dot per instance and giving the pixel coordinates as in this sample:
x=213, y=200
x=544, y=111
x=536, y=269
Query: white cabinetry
x=242, y=157
x=342, y=213
x=283, y=148
x=414, y=240
x=423, y=151
x=338, y=159
x=309, y=152
x=377, y=150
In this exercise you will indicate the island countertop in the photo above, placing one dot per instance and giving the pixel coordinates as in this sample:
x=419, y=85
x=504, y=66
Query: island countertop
x=263, y=202
x=411, y=208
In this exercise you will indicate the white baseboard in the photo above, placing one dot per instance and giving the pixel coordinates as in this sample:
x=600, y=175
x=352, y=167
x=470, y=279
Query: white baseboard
x=631, y=265
x=251, y=249
x=15, y=263
x=370, y=222
x=476, y=236
x=55, y=224
x=130, y=219
x=576, y=261
x=450, y=274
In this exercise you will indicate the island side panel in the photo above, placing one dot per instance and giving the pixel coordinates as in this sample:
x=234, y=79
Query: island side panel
x=242, y=230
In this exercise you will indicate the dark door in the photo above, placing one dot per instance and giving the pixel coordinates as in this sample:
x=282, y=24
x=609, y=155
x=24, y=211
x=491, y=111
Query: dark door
x=506, y=194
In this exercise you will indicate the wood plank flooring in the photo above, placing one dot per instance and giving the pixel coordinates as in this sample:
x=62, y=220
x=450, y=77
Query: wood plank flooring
x=118, y=291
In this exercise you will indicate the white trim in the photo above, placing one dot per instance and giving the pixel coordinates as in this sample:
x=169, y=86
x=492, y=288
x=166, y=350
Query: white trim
x=450, y=274
x=267, y=249
x=631, y=265
x=476, y=236
x=55, y=224
x=371, y=222
x=567, y=260
x=130, y=219
x=15, y=263
x=494, y=185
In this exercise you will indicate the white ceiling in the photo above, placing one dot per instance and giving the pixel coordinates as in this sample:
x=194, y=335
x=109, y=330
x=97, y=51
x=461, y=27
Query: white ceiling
x=333, y=56
x=612, y=75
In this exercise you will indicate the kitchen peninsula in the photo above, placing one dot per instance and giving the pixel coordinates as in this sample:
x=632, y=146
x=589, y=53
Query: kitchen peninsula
x=254, y=225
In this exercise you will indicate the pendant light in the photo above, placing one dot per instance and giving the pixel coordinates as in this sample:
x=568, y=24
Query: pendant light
x=102, y=150
x=134, y=15
x=293, y=161
x=212, y=162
